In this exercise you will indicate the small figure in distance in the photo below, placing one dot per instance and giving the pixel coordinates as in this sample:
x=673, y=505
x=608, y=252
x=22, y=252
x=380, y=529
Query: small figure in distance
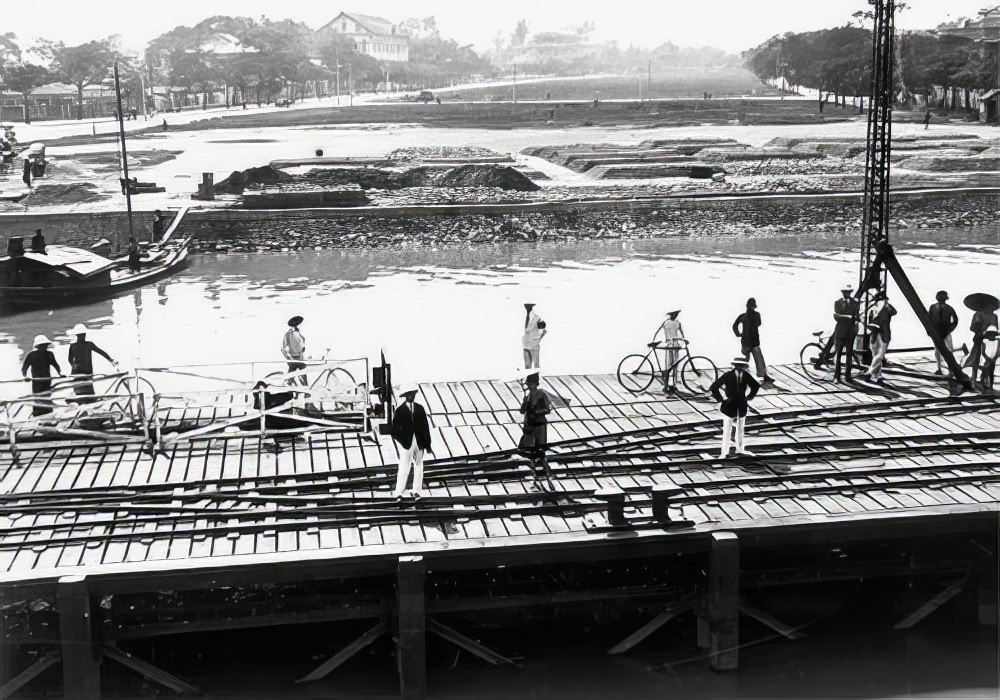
x=534, y=438
x=945, y=321
x=412, y=432
x=747, y=329
x=81, y=362
x=38, y=242
x=159, y=226
x=673, y=343
x=927, y=119
x=736, y=383
x=293, y=348
x=134, y=255
x=531, y=341
x=39, y=360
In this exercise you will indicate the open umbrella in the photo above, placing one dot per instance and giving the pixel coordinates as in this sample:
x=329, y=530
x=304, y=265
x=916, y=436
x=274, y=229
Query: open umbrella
x=981, y=301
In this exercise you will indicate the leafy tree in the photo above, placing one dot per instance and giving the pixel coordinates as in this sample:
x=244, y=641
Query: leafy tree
x=81, y=65
x=25, y=78
x=10, y=51
x=520, y=34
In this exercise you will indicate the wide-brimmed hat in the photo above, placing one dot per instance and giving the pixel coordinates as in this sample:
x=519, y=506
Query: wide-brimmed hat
x=529, y=304
x=740, y=362
x=673, y=313
x=79, y=329
x=847, y=288
x=523, y=374
x=41, y=340
x=295, y=320
x=405, y=389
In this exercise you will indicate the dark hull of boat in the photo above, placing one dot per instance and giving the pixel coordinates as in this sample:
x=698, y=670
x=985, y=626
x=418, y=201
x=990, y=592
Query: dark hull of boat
x=26, y=298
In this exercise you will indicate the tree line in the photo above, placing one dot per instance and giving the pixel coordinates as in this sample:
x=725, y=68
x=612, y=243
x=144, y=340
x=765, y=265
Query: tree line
x=837, y=62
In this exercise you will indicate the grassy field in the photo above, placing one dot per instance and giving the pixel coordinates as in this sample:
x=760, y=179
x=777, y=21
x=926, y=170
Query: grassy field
x=677, y=84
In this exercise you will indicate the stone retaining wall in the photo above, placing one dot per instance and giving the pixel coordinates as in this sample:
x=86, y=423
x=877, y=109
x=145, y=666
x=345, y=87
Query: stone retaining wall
x=80, y=230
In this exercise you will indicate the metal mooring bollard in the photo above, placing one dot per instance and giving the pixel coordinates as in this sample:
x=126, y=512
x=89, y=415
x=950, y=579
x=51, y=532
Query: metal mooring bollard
x=661, y=502
x=615, y=499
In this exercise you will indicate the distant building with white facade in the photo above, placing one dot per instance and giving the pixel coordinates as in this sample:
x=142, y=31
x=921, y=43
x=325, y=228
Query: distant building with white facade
x=374, y=36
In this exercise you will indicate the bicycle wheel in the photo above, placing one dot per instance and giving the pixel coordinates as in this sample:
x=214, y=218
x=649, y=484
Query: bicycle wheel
x=809, y=359
x=636, y=373
x=339, y=384
x=698, y=374
x=134, y=386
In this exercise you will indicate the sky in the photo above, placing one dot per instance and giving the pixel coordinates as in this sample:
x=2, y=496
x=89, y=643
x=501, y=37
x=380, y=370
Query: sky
x=732, y=25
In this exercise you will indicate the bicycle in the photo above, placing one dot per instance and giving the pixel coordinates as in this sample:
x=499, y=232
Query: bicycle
x=335, y=382
x=637, y=372
x=818, y=362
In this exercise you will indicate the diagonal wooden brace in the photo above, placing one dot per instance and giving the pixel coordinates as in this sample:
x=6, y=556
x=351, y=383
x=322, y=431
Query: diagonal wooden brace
x=148, y=670
x=671, y=611
x=28, y=674
x=470, y=645
x=933, y=604
x=331, y=664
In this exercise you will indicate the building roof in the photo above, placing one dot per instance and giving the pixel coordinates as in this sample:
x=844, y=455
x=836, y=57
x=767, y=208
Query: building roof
x=987, y=27
x=221, y=43
x=376, y=25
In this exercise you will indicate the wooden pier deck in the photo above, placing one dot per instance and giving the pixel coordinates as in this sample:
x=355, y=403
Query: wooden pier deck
x=824, y=454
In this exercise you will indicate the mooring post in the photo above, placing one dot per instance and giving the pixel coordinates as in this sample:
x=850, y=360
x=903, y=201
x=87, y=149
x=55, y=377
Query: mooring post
x=724, y=601
x=615, y=498
x=80, y=661
x=412, y=634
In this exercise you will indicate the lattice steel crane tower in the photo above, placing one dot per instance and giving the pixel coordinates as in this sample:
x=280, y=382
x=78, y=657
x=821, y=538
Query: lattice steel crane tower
x=878, y=261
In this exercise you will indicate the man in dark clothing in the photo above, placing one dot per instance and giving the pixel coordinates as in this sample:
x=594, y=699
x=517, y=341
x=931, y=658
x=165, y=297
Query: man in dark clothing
x=413, y=433
x=38, y=242
x=535, y=407
x=747, y=329
x=845, y=313
x=134, y=255
x=927, y=118
x=26, y=172
x=81, y=362
x=880, y=329
x=945, y=321
x=159, y=226
x=735, y=404
x=39, y=361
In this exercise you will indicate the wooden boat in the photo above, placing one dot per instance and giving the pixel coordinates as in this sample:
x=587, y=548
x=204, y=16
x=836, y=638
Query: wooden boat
x=63, y=276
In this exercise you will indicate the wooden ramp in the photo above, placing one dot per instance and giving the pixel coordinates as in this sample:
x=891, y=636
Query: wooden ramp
x=823, y=454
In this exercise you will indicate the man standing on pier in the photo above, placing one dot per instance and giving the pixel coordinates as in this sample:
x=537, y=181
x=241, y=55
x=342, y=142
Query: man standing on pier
x=880, y=326
x=673, y=343
x=945, y=321
x=534, y=331
x=746, y=327
x=736, y=383
x=413, y=433
x=845, y=313
x=535, y=407
x=293, y=348
x=81, y=362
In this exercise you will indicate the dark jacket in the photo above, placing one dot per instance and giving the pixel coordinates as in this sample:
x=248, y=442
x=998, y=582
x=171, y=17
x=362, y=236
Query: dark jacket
x=406, y=425
x=943, y=318
x=39, y=361
x=746, y=327
x=735, y=385
x=81, y=360
x=534, y=407
x=846, y=307
x=883, y=319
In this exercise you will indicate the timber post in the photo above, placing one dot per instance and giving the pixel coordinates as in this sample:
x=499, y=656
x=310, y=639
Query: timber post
x=412, y=633
x=724, y=601
x=80, y=660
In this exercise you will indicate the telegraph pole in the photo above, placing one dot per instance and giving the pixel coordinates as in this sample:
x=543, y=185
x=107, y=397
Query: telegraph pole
x=515, y=83
x=124, y=152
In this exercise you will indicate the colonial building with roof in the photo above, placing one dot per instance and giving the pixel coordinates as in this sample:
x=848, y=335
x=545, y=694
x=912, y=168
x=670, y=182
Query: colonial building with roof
x=374, y=36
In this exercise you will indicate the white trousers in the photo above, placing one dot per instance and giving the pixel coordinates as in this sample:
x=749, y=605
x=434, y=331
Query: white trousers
x=532, y=357
x=412, y=456
x=728, y=426
x=879, y=348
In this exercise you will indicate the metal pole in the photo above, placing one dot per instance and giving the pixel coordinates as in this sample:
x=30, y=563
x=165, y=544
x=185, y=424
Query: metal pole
x=338, y=84
x=124, y=152
x=515, y=83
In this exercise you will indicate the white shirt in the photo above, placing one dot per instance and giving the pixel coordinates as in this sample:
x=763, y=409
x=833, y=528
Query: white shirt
x=293, y=347
x=672, y=333
x=532, y=333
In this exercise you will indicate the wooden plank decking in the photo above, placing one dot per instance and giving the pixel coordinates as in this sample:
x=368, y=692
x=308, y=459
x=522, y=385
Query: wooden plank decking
x=824, y=454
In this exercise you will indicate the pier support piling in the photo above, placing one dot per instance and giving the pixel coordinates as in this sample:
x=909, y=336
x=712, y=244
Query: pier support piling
x=724, y=601
x=412, y=635
x=80, y=657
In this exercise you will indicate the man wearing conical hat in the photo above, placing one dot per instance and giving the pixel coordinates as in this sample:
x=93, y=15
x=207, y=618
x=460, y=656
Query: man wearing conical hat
x=39, y=360
x=734, y=390
x=81, y=361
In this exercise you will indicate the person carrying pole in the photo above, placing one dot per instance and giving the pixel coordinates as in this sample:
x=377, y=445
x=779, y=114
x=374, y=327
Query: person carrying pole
x=740, y=389
x=411, y=430
x=535, y=407
x=945, y=321
x=81, y=362
x=39, y=360
x=746, y=327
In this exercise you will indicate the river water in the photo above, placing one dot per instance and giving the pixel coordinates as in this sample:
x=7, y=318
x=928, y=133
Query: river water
x=448, y=313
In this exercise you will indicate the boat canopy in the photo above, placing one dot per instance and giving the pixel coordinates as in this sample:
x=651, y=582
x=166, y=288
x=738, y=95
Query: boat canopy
x=76, y=262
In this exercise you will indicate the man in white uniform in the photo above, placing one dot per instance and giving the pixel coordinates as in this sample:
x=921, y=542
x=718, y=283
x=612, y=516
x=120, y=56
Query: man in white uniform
x=534, y=331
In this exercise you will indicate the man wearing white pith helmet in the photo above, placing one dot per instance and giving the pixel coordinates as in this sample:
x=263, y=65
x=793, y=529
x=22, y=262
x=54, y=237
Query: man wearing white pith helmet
x=81, y=361
x=39, y=360
x=413, y=433
x=740, y=388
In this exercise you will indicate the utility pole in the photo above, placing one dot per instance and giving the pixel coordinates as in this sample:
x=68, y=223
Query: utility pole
x=124, y=151
x=338, y=84
x=649, y=80
x=515, y=83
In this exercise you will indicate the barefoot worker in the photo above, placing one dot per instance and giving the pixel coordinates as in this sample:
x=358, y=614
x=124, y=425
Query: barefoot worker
x=736, y=383
x=945, y=321
x=673, y=343
x=39, y=361
x=81, y=361
x=747, y=329
x=535, y=407
x=413, y=433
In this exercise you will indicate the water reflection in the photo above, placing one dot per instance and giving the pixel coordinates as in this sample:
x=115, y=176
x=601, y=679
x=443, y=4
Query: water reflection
x=452, y=312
